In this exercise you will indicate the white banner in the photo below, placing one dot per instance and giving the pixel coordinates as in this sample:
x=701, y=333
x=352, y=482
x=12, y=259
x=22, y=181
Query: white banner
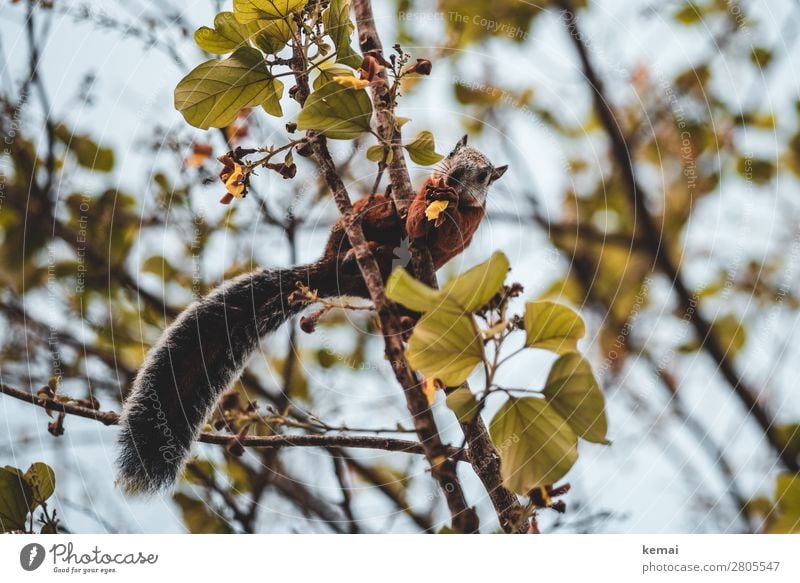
x=371, y=558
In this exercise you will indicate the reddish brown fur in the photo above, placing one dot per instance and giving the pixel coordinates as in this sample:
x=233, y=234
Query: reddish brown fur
x=452, y=236
x=384, y=231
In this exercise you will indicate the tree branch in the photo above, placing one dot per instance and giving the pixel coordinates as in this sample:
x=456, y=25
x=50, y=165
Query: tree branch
x=402, y=190
x=485, y=460
x=295, y=491
x=443, y=468
x=269, y=441
x=389, y=490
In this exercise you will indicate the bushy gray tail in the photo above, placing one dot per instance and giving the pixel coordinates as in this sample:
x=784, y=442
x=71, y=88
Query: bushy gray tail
x=196, y=359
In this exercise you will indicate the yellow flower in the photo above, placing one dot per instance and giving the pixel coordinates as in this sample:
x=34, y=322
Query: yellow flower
x=435, y=209
x=234, y=184
x=429, y=387
x=351, y=82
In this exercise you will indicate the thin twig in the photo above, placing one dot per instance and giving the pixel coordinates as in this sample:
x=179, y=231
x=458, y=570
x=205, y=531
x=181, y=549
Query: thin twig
x=267, y=441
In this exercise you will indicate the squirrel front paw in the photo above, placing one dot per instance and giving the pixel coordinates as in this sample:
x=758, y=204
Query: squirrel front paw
x=441, y=192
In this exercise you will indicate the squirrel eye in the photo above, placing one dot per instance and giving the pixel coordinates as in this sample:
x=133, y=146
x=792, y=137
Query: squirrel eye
x=457, y=175
x=483, y=175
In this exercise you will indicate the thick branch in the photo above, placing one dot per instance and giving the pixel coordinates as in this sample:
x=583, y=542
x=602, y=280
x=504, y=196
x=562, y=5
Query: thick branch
x=402, y=190
x=653, y=239
x=485, y=460
x=465, y=519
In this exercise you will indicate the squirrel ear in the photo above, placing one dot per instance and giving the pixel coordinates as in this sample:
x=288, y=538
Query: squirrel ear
x=498, y=172
x=460, y=144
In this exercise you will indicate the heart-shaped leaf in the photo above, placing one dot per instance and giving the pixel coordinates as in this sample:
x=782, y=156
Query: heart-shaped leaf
x=15, y=500
x=474, y=288
x=536, y=445
x=415, y=295
x=250, y=10
x=422, y=149
x=376, y=153
x=338, y=26
x=463, y=403
x=215, y=92
x=553, y=327
x=227, y=35
x=337, y=112
x=271, y=35
x=42, y=480
x=573, y=392
x=272, y=101
x=445, y=346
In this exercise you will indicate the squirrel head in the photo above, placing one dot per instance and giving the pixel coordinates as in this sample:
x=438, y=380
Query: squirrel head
x=469, y=171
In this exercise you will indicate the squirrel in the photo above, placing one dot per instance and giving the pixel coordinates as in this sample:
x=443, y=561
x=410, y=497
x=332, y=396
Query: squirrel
x=205, y=349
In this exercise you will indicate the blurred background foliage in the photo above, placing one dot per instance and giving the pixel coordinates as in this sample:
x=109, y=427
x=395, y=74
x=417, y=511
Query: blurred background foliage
x=109, y=225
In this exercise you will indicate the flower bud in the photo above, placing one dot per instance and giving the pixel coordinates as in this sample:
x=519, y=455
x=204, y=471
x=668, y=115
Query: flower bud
x=422, y=67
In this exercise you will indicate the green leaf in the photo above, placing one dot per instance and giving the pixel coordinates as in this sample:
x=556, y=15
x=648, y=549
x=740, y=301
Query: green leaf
x=272, y=102
x=691, y=13
x=785, y=524
x=160, y=266
x=789, y=434
x=86, y=151
x=573, y=392
x=199, y=472
x=271, y=36
x=761, y=57
x=408, y=291
x=423, y=149
x=199, y=517
x=461, y=295
x=15, y=498
x=240, y=476
x=42, y=480
x=463, y=403
x=249, y=10
x=337, y=112
x=445, y=346
x=375, y=153
x=327, y=73
x=338, y=26
x=757, y=170
x=731, y=334
x=787, y=499
x=536, y=445
x=787, y=493
x=474, y=288
x=215, y=92
x=227, y=35
x=553, y=326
